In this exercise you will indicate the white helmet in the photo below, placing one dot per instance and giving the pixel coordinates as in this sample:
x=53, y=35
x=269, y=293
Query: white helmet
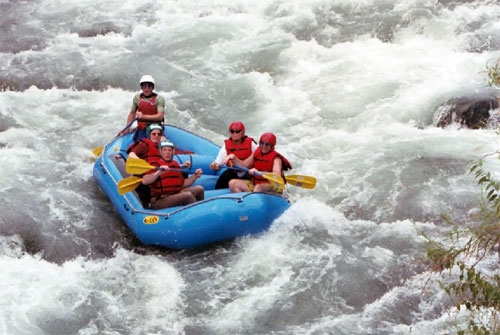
x=147, y=79
x=166, y=143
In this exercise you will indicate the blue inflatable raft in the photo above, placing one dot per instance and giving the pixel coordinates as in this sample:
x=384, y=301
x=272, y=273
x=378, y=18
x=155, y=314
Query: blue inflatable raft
x=221, y=216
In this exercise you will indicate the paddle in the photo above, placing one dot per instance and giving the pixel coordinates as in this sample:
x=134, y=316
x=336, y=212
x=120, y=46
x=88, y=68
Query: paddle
x=273, y=178
x=140, y=166
x=128, y=184
x=308, y=182
x=298, y=180
x=98, y=151
x=136, y=166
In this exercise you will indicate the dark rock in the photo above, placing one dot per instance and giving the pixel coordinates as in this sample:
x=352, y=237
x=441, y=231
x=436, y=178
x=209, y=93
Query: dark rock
x=471, y=112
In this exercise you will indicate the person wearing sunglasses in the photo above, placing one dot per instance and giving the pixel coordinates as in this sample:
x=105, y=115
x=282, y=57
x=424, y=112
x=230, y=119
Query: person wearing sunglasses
x=147, y=107
x=147, y=148
x=264, y=160
x=238, y=145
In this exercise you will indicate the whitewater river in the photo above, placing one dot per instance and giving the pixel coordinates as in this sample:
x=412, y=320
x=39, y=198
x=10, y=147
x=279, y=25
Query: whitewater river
x=349, y=87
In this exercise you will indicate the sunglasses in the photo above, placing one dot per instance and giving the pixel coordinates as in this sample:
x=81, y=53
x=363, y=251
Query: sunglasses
x=265, y=144
x=155, y=134
x=237, y=131
x=147, y=85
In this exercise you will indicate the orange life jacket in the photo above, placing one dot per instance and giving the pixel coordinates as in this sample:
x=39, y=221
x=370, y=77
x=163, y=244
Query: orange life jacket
x=147, y=107
x=152, y=152
x=242, y=150
x=169, y=182
x=265, y=162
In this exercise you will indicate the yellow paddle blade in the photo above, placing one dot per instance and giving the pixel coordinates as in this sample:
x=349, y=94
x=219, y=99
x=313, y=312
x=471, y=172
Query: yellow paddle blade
x=301, y=181
x=128, y=184
x=277, y=184
x=97, y=151
x=273, y=178
x=137, y=166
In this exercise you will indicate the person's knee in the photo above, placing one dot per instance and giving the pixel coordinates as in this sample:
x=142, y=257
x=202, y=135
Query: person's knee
x=235, y=184
x=200, y=193
x=261, y=188
x=258, y=188
x=187, y=198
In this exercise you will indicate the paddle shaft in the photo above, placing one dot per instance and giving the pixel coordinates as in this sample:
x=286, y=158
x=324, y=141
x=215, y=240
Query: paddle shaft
x=271, y=177
x=140, y=166
x=241, y=168
x=98, y=151
x=126, y=127
x=129, y=184
x=298, y=180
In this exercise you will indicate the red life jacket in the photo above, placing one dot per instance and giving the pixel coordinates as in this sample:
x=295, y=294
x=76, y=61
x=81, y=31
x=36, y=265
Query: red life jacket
x=152, y=152
x=265, y=163
x=242, y=150
x=147, y=107
x=169, y=182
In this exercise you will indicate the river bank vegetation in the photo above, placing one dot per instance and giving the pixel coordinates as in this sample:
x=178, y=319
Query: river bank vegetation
x=468, y=259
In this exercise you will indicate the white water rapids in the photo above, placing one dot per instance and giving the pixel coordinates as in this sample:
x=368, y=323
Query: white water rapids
x=350, y=89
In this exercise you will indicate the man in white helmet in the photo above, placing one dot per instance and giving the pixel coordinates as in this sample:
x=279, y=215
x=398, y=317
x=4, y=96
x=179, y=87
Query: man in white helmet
x=168, y=186
x=147, y=107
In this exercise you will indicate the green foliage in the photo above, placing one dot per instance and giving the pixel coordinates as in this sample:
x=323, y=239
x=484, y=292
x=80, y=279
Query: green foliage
x=477, y=292
x=468, y=245
x=493, y=73
x=491, y=189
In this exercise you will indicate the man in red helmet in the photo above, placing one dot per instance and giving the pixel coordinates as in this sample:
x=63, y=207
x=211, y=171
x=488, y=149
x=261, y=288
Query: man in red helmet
x=240, y=146
x=264, y=160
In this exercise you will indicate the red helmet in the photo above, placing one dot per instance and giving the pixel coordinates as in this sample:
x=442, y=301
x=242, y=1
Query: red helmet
x=268, y=138
x=237, y=125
